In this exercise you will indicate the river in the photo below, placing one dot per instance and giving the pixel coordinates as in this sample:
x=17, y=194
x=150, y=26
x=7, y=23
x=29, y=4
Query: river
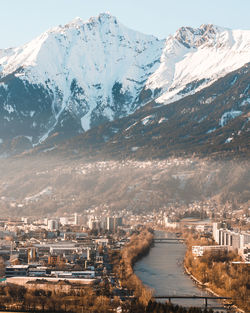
x=162, y=270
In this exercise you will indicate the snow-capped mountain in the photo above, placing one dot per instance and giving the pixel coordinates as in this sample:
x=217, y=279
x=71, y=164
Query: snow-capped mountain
x=194, y=58
x=79, y=75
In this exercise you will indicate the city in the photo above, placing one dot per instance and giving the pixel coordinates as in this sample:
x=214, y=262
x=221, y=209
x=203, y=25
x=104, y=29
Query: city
x=75, y=251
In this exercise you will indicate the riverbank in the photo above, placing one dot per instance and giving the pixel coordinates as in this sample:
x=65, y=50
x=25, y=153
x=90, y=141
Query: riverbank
x=162, y=270
x=216, y=274
x=138, y=246
x=200, y=284
x=141, y=299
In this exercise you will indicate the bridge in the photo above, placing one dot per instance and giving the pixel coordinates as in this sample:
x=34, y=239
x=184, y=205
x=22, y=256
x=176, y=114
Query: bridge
x=206, y=298
x=168, y=240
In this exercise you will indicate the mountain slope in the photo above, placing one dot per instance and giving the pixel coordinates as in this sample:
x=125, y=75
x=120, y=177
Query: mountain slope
x=194, y=58
x=83, y=74
x=92, y=71
x=213, y=122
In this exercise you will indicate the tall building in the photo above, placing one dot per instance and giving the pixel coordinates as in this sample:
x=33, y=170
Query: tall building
x=226, y=237
x=117, y=222
x=216, y=232
x=94, y=224
x=53, y=225
x=113, y=223
x=110, y=223
x=32, y=255
x=76, y=219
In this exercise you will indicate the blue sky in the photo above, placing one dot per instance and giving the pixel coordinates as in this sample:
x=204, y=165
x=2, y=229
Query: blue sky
x=23, y=20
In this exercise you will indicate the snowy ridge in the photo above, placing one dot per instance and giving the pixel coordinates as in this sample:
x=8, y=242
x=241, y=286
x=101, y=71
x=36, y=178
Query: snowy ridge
x=199, y=55
x=94, y=55
x=100, y=70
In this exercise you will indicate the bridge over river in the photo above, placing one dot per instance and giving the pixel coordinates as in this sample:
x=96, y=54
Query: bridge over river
x=162, y=270
x=168, y=240
x=205, y=298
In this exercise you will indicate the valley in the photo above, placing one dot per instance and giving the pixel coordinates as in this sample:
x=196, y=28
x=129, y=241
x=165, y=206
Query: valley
x=51, y=186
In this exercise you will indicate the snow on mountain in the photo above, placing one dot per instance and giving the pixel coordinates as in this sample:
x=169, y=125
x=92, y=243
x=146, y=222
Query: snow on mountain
x=85, y=73
x=227, y=116
x=194, y=58
x=89, y=57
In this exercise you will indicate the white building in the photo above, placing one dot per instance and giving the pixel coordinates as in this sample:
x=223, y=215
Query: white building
x=168, y=223
x=76, y=219
x=199, y=250
x=226, y=237
x=216, y=232
x=26, y=220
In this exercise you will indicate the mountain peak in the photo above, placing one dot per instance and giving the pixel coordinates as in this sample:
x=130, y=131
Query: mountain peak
x=106, y=16
x=194, y=37
x=102, y=18
x=78, y=22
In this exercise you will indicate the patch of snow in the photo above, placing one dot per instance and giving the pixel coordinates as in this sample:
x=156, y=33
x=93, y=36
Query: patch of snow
x=9, y=108
x=227, y=116
x=211, y=130
x=85, y=121
x=115, y=130
x=29, y=138
x=163, y=120
x=245, y=102
x=49, y=131
x=49, y=149
x=134, y=149
x=229, y=140
x=4, y=86
x=234, y=80
x=209, y=100
x=130, y=126
x=245, y=124
x=148, y=120
x=202, y=119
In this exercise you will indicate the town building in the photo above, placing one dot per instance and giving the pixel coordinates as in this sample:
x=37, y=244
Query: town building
x=113, y=223
x=16, y=271
x=53, y=225
x=200, y=250
x=226, y=237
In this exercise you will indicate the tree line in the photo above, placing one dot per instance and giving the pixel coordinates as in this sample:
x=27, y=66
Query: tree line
x=216, y=271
